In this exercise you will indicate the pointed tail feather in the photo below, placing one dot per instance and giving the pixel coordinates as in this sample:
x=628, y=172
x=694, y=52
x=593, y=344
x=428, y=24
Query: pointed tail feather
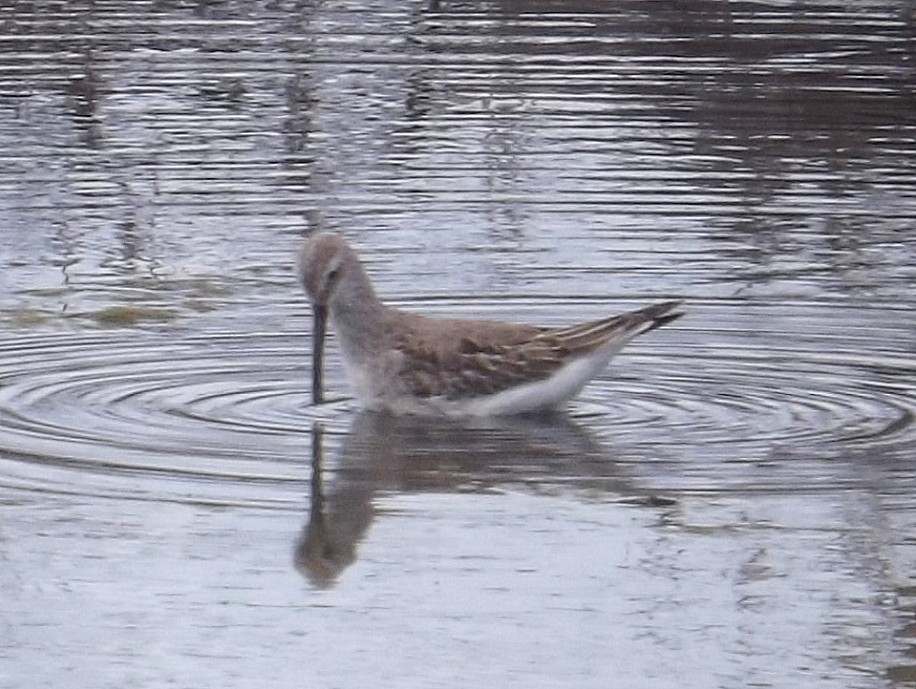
x=656, y=315
x=586, y=337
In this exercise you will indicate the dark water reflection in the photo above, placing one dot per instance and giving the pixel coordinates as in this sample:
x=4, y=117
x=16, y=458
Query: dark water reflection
x=383, y=454
x=541, y=161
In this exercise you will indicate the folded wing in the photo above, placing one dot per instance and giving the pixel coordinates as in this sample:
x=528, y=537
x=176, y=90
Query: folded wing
x=471, y=366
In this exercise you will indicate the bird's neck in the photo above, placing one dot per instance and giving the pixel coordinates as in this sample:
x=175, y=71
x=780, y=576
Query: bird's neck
x=356, y=314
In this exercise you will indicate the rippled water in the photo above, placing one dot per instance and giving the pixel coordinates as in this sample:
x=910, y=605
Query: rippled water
x=730, y=503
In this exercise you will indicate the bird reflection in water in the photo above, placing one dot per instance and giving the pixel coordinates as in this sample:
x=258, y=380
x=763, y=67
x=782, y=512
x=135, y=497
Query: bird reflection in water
x=382, y=453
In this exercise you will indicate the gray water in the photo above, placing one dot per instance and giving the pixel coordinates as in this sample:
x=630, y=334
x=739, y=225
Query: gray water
x=730, y=504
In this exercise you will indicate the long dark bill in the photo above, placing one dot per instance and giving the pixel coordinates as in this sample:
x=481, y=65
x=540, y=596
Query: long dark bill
x=319, y=329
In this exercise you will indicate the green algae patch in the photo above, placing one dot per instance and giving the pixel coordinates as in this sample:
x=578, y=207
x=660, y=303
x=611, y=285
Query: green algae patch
x=25, y=317
x=132, y=315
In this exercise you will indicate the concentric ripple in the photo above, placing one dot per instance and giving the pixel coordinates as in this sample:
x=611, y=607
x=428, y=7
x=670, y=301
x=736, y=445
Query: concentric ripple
x=755, y=406
x=207, y=417
x=778, y=407
x=87, y=411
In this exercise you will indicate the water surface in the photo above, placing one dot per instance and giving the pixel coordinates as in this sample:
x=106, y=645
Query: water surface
x=730, y=503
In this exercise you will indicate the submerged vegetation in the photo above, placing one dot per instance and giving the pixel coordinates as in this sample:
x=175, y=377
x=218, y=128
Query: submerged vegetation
x=131, y=315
